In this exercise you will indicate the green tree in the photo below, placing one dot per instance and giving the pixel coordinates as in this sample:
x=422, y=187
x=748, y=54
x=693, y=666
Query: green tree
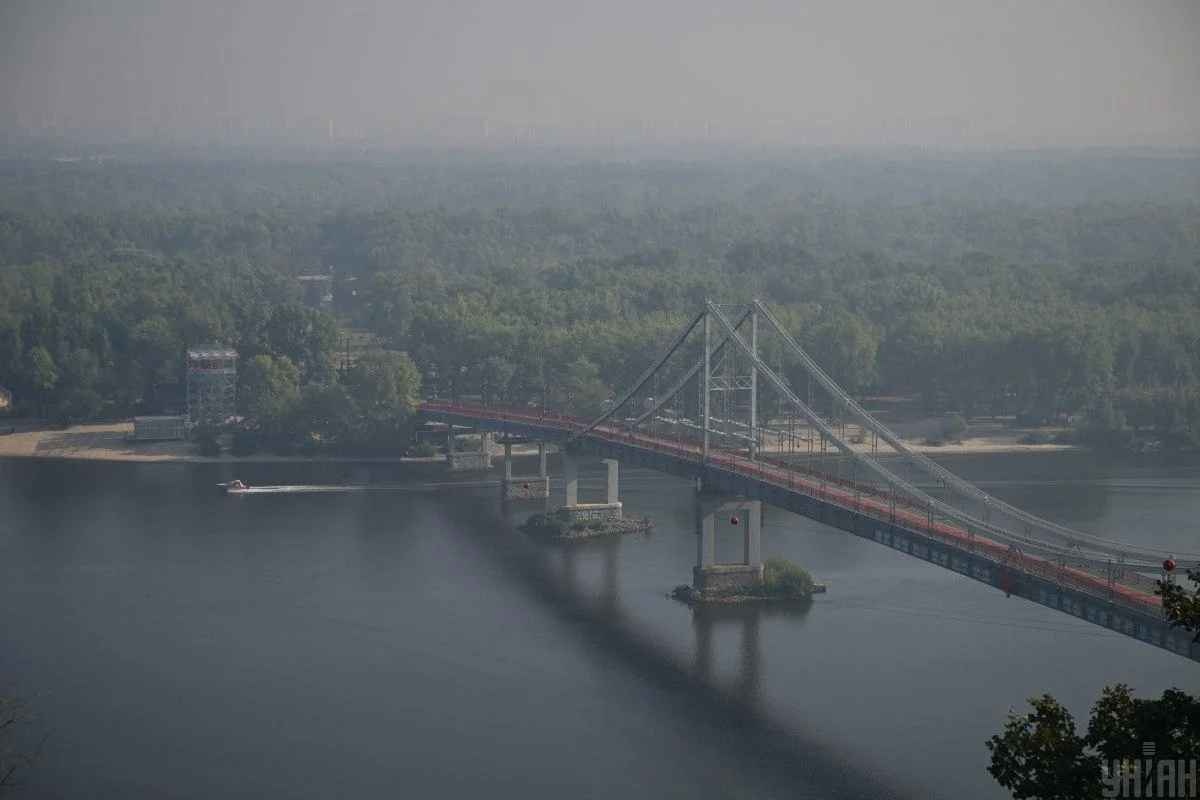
x=389, y=305
x=157, y=350
x=305, y=336
x=386, y=388
x=269, y=390
x=80, y=376
x=456, y=335
x=782, y=577
x=13, y=759
x=846, y=346
x=1122, y=723
x=1039, y=755
x=326, y=416
x=385, y=384
x=580, y=390
x=1182, y=608
x=495, y=376
x=207, y=441
x=43, y=374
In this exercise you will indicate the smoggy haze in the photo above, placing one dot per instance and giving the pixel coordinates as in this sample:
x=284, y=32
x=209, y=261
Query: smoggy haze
x=1079, y=73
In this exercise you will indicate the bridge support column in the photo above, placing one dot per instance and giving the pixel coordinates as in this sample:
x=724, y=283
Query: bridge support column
x=470, y=460
x=706, y=540
x=525, y=487
x=571, y=479
x=610, y=509
x=752, y=541
x=709, y=575
x=612, y=494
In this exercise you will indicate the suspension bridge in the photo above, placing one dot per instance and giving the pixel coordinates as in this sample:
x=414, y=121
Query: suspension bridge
x=731, y=418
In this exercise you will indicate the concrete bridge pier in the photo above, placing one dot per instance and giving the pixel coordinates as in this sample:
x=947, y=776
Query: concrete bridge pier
x=525, y=487
x=570, y=480
x=610, y=509
x=713, y=512
x=470, y=460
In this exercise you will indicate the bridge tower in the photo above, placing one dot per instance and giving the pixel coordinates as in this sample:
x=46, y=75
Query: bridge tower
x=720, y=376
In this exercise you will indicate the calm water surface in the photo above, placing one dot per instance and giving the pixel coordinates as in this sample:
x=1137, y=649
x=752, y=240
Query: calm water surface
x=177, y=643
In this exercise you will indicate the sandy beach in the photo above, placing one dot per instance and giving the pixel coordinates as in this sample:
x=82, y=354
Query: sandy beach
x=110, y=442
x=982, y=436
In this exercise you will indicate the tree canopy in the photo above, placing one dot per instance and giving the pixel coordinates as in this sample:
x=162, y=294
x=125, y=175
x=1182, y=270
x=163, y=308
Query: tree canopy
x=1040, y=755
x=1054, y=303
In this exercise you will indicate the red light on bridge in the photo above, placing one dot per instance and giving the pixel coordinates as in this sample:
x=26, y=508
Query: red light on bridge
x=1169, y=565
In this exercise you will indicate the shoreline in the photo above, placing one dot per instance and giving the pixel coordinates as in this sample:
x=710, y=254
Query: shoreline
x=109, y=442
x=984, y=445
x=224, y=459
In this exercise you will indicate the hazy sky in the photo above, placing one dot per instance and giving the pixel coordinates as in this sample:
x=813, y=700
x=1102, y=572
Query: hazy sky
x=903, y=72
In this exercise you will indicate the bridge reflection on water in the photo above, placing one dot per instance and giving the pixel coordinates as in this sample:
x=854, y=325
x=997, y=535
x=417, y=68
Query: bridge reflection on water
x=562, y=565
x=557, y=574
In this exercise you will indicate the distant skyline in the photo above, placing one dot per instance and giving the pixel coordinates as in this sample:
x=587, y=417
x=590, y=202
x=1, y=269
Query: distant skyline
x=921, y=73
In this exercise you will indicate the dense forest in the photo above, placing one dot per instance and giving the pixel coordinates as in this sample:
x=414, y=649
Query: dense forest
x=1051, y=287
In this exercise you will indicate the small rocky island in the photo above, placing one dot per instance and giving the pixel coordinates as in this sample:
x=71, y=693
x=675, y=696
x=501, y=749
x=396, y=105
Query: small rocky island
x=782, y=582
x=563, y=525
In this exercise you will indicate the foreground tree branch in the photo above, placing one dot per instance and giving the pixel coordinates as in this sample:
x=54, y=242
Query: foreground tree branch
x=1182, y=608
x=13, y=714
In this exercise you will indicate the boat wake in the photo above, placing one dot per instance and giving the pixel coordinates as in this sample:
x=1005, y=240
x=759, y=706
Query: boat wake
x=358, y=488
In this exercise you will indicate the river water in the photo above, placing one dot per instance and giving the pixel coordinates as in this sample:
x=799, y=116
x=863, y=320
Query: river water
x=174, y=642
